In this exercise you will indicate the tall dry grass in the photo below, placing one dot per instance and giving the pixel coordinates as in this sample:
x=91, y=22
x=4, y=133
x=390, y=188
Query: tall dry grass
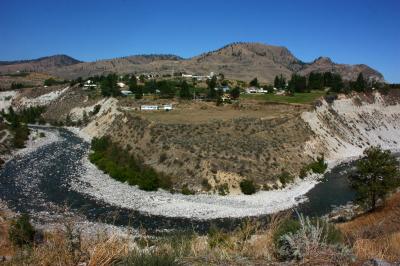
x=376, y=234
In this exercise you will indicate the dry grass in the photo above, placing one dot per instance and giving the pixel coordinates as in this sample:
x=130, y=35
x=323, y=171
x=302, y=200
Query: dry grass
x=108, y=252
x=376, y=234
x=385, y=248
x=203, y=112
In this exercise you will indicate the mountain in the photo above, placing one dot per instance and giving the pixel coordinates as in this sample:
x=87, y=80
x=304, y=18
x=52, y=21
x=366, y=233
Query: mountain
x=348, y=72
x=241, y=61
x=42, y=64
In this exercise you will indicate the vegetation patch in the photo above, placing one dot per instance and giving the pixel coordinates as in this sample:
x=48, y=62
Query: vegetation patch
x=319, y=167
x=285, y=178
x=18, y=123
x=248, y=187
x=124, y=167
x=21, y=232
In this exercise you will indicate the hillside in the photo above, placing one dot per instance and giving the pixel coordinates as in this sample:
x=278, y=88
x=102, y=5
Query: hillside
x=42, y=64
x=242, y=61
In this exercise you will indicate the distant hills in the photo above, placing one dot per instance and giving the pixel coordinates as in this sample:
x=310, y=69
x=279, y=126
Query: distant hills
x=242, y=61
x=42, y=64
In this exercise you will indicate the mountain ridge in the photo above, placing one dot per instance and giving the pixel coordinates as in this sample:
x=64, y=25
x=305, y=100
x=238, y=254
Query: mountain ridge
x=238, y=60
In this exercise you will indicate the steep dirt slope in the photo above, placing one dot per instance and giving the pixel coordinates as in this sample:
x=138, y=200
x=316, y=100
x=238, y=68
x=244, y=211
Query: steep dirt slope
x=350, y=124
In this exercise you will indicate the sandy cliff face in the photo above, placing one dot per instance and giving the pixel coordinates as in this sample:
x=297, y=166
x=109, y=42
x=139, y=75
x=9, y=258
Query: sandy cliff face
x=347, y=126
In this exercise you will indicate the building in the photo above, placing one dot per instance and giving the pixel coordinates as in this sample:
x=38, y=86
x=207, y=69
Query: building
x=256, y=90
x=167, y=107
x=89, y=84
x=126, y=93
x=149, y=107
x=121, y=84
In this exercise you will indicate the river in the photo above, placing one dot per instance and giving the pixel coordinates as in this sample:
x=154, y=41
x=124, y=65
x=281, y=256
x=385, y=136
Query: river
x=44, y=180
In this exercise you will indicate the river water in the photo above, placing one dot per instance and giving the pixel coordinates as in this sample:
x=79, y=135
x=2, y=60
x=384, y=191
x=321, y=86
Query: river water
x=40, y=181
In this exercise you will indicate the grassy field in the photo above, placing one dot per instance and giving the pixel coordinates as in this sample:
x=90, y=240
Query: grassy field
x=299, y=98
x=203, y=112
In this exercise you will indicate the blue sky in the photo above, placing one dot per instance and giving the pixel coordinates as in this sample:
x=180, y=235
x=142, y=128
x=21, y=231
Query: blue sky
x=347, y=31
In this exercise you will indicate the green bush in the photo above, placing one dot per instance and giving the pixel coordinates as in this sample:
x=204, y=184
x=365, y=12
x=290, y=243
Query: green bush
x=319, y=167
x=21, y=232
x=306, y=232
x=206, y=185
x=124, y=167
x=218, y=237
x=223, y=189
x=291, y=226
x=186, y=191
x=285, y=178
x=247, y=187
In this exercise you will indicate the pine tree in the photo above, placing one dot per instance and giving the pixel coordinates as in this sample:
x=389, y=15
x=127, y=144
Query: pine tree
x=212, y=84
x=235, y=92
x=139, y=92
x=360, y=84
x=376, y=176
x=132, y=83
x=184, y=92
x=254, y=83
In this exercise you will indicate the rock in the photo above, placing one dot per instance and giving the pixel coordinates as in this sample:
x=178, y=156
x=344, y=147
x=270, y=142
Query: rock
x=378, y=262
x=5, y=258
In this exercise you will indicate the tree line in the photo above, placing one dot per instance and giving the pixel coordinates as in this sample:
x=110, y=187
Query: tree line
x=124, y=167
x=320, y=81
x=18, y=123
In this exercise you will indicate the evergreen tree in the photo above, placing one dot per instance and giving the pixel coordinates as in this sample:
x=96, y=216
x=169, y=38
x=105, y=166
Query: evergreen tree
x=139, y=92
x=254, y=83
x=109, y=86
x=360, y=84
x=235, y=92
x=277, y=82
x=328, y=79
x=166, y=88
x=337, y=83
x=376, y=176
x=315, y=81
x=297, y=84
x=132, y=83
x=212, y=84
x=184, y=92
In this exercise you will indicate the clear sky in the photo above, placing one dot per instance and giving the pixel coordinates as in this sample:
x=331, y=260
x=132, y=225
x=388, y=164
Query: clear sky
x=351, y=31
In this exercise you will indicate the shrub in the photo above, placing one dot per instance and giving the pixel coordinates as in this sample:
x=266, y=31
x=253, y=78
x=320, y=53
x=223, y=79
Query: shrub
x=319, y=167
x=285, y=178
x=247, y=187
x=124, y=167
x=205, y=184
x=152, y=258
x=163, y=157
x=21, y=232
x=311, y=240
x=287, y=226
x=218, y=238
x=96, y=109
x=223, y=189
x=186, y=191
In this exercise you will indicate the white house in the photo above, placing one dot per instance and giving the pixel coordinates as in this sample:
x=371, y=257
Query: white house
x=149, y=107
x=256, y=90
x=89, y=84
x=167, y=107
x=225, y=89
x=126, y=93
x=121, y=84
